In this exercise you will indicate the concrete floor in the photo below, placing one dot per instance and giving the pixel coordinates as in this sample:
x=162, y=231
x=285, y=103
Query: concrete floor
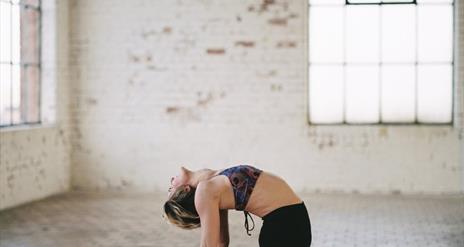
x=91, y=219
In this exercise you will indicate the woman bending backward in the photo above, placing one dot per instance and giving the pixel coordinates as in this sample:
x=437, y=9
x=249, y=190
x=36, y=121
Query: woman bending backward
x=202, y=198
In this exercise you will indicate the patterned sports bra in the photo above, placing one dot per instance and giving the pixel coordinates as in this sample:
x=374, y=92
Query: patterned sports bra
x=243, y=180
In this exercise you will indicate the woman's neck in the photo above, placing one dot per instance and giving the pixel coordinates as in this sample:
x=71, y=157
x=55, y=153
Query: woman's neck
x=200, y=175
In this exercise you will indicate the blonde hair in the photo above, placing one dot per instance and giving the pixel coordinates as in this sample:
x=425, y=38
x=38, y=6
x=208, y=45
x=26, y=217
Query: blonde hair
x=180, y=209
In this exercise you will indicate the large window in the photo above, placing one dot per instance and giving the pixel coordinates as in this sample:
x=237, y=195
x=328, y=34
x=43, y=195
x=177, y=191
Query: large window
x=20, y=23
x=373, y=61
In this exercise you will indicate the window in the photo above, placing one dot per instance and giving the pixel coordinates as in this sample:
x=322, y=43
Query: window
x=20, y=23
x=380, y=61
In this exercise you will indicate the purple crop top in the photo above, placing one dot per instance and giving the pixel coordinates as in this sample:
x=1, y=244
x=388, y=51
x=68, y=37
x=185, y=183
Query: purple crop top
x=243, y=180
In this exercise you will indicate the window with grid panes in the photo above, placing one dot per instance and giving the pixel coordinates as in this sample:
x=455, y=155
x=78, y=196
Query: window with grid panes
x=384, y=61
x=20, y=24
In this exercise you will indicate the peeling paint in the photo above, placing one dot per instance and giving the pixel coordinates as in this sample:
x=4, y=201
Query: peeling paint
x=293, y=16
x=286, y=44
x=125, y=183
x=383, y=132
x=91, y=101
x=144, y=58
x=205, y=101
x=269, y=73
x=146, y=35
x=276, y=87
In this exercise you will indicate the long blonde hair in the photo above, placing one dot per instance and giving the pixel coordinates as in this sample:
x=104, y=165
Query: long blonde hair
x=180, y=209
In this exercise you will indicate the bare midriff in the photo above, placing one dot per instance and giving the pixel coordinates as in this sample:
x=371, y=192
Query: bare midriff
x=270, y=192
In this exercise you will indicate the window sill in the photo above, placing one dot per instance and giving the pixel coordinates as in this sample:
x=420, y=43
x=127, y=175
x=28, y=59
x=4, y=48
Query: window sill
x=27, y=127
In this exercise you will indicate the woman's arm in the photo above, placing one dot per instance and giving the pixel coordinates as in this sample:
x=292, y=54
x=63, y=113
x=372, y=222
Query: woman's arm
x=207, y=205
x=224, y=228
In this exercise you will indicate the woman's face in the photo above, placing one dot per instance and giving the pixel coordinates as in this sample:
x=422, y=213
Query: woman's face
x=178, y=180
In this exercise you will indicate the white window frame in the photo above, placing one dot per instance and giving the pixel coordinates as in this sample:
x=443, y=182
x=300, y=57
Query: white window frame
x=452, y=63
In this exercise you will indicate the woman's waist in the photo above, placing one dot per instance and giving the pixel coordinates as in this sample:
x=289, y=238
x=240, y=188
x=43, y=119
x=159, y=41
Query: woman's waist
x=263, y=207
x=287, y=212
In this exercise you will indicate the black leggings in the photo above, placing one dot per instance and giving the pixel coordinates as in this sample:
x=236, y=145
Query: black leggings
x=286, y=226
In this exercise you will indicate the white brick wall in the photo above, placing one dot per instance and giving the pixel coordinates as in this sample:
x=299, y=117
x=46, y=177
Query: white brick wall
x=35, y=162
x=459, y=76
x=211, y=83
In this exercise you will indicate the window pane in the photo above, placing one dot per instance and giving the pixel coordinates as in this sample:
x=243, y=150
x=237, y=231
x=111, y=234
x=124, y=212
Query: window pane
x=435, y=33
x=380, y=1
x=5, y=30
x=30, y=35
x=30, y=94
x=5, y=94
x=339, y=2
x=434, y=93
x=364, y=1
x=434, y=1
x=326, y=34
x=362, y=94
x=15, y=94
x=326, y=94
x=398, y=93
x=397, y=1
x=362, y=33
x=15, y=33
x=398, y=33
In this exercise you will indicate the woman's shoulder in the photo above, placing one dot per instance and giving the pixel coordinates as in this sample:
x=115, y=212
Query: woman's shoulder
x=213, y=186
x=209, y=192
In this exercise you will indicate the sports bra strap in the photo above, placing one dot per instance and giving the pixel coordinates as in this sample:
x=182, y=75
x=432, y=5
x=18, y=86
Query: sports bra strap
x=246, y=222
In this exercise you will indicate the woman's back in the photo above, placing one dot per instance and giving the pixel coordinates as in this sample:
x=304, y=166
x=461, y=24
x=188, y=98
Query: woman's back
x=270, y=192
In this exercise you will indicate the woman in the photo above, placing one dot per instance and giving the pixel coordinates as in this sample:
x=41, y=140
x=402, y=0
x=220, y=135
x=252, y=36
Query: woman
x=202, y=198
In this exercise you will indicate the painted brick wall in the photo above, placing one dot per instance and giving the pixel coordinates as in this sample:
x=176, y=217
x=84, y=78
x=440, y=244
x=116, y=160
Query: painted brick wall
x=35, y=162
x=210, y=83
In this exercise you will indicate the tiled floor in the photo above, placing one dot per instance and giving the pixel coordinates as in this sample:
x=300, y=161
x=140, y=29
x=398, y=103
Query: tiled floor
x=89, y=219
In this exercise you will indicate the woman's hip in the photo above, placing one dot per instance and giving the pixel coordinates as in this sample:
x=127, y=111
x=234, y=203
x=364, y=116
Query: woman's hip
x=286, y=226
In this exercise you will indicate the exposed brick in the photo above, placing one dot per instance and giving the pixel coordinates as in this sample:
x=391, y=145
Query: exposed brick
x=245, y=43
x=172, y=109
x=167, y=30
x=216, y=51
x=278, y=21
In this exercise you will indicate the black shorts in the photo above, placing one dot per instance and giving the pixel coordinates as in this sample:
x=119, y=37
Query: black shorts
x=286, y=226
